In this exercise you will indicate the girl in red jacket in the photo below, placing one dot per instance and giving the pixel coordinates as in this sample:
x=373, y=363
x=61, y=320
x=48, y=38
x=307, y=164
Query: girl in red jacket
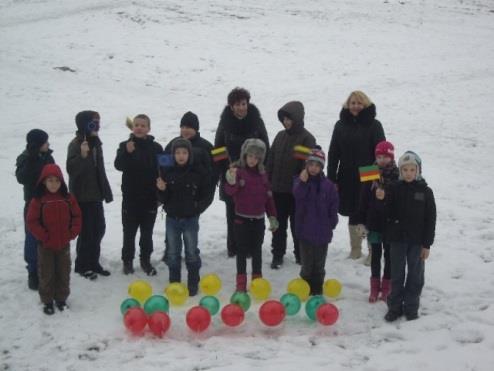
x=54, y=219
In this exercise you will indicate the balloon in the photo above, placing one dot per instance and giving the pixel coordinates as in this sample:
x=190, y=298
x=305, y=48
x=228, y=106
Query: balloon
x=211, y=303
x=155, y=303
x=159, y=323
x=272, y=313
x=299, y=287
x=127, y=304
x=198, y=319
x=292, y=303
x=210, y=284
x=177, y=293
x=312, y=304
x=260, y=288
x=135, y=320
x=327, y=314
x=332, y=288
x=242, y=299
x=232, y=315
x=140, y=290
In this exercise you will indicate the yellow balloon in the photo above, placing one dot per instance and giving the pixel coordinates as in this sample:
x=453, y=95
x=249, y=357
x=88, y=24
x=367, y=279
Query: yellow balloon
x=260, y=288
x=332, y=288
x=299, y=287
x=140, y=290
x=177, y=293
x=210, y=284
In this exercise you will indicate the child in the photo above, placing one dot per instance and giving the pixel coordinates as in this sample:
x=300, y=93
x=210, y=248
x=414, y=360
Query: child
x=89, y=184
x=54, y=219
x=248, y=185
x=372, y=219
x=184, y=191
x=316, y=216
x=282, y=167
x=28, y=169
x=411, y=223
x=137, y=160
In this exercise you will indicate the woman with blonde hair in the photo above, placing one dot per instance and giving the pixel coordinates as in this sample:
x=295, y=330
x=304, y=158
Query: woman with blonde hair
x=354, y=139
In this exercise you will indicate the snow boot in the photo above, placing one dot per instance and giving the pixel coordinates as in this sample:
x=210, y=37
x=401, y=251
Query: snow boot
x=241, y=283
x=48, y=309
x=61, y=305
x=392, y=316
x=147, y=267
x=355, y=242
x=375, y=285
x=277, y=262
x=128, y=267
x=193, y=281
x=385, y=289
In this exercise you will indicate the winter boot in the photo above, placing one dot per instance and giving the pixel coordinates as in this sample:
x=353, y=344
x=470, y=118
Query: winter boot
x=193, y=281
x=375, y=285
x=128, y=267
x=147, y=267
x=392, y=316
x=241, y=283
x=48, y=309
x=32, y=280
x=175, y=274
x=355, y=242
x=61, y=305
x=277, y=262
x=102, y=271
x=385, y=289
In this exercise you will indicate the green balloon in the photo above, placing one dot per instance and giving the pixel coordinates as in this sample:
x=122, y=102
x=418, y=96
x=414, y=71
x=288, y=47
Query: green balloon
x=156, y=303
x=242, y=299
x=129, y=303
x=292, y=303
x=211, y=303
x=312, y=304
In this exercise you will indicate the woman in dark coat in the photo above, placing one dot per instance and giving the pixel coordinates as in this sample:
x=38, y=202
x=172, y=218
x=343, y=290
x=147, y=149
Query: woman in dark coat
x=354, y=139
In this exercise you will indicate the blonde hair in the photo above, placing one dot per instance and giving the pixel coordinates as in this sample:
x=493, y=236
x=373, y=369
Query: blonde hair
x=360, y=96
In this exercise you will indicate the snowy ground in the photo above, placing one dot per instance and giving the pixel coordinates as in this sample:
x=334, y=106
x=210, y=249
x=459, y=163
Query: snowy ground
x=427, y=64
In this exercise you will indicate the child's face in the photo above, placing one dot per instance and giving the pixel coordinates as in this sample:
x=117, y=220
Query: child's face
x=187, y=133
x=181, y=156
x=141, y=128
x=287, y=123
x=52, y=184
x=239, y=108
x=45, y=147
x=313, y=168
x=251, y=160
x=355, y=106
x=409, y=172
x=383, y=160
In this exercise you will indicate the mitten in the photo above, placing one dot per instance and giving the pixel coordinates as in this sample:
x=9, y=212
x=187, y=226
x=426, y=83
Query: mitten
x=230, y=178
x=273, y=223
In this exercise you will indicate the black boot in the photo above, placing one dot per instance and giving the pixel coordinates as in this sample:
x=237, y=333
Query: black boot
x=61, y=305
x=392, y=315
x=48, y=309
x=193, y=281
x=32, y=280
x=147, y=267
x=277, y=262
x=102, y=271
x=128, y=267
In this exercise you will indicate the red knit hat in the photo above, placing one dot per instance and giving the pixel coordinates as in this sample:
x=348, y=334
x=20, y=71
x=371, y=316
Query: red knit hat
x=386, y=149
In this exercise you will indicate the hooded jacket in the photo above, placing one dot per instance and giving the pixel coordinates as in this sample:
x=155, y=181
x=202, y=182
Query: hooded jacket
x=28, y=169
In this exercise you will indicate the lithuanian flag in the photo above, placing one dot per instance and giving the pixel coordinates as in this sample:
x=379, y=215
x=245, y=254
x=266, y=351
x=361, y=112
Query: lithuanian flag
x=219, y=154
x=301, y=152
x=368, y=173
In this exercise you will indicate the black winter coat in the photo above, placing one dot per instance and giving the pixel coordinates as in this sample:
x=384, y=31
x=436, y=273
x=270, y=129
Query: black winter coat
x=139, y=171
x=28, y=169
x=352, y=145
x=410, y=213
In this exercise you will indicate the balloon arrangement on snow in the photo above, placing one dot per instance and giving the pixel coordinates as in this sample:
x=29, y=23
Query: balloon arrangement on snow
x=145, y=309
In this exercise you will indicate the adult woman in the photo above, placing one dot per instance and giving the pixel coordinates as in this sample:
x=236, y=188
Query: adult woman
x=354, y=139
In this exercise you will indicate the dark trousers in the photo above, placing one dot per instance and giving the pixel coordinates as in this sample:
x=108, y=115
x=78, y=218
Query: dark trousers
x=54, y=274
x=89, y=240
x=285, y=208
x=249, y=234
x=230, y=218
x=406, y=289
x=313, y=259
x=134, y=218
x=30, y=247
x=377, y=252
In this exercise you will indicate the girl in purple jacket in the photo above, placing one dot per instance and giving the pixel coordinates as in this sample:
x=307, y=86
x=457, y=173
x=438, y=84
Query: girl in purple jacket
x=316, y=215
x=248, y=184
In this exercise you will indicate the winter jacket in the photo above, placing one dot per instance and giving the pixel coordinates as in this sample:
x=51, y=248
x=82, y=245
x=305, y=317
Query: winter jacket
x=87, y=176
x=139, y=171
x=352, y=146
x=232, y=132
x=251, y=194
x=54, y=219
x=410, y=213
x=28, y=169
x=281, y=164
x=316, y=209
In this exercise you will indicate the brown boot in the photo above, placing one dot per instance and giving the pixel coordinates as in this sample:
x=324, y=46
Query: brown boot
x=355, y=242
x=241, y=283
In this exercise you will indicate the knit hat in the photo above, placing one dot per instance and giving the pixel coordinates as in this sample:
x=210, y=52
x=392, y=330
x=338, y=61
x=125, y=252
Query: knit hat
x=385, y=148
x=411, y=158
x=253, y=146
x=36, y=138
x=83, y=120
x=317, y=155
x=190, y=120
x=182, y=143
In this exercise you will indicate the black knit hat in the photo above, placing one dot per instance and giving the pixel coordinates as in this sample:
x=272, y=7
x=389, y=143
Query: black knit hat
x=36, y=138
x=190, y=120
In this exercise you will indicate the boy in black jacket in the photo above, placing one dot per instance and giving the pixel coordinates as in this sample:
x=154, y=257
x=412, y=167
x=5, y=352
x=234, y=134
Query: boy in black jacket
x=411, y=223
x=184, y=193
x=137, y=160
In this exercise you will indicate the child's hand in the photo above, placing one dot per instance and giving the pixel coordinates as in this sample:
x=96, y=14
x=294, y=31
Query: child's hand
x=304, y=176
x=131, y=146
x=273, y=223
x=380, y=194
x=160, y=184
x=84, y=149
x=424, y=254
x=231, y=175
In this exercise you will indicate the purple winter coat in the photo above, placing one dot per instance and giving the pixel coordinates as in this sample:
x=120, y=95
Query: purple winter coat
x=316, y=209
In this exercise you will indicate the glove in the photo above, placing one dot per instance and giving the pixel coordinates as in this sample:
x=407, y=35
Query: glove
x=273, y=223
x=231, y=177
x=362, y=231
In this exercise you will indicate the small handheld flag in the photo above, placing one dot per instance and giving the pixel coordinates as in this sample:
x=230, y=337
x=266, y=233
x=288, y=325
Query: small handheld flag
x=219, y=154
x=166, y=160
x=301, y=152
x=368, y=173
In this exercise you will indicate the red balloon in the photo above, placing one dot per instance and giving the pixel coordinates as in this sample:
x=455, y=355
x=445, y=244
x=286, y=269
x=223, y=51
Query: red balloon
x=159, y=323
x=198, y=318
x=232, y=315
x=135, y=320
x=272, y=313
x=327, y=314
